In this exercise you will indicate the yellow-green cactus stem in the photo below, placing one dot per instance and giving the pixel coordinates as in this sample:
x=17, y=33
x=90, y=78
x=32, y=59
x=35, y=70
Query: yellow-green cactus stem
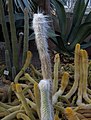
x=85, y=76
x=27, y=62
x=71, y=115
x=64, y=83
x=56, y=117
x=76, y=72
x=22, y=116
x=79, y=100
x=28, y=77
x=23, y=101
x=56, y=69
x=12, y=115
x=37, y=98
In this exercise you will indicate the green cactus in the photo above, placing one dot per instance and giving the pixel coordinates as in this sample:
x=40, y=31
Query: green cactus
x=7, y=60
x=26, y=33
x=4, y=28
x=13, y=35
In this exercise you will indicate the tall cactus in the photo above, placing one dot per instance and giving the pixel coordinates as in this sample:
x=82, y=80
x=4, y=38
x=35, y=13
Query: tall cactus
x=26, y=33
x=4, y=28
x=40, y=25
x=13, y=34
x=76, y=72
x=7, y=60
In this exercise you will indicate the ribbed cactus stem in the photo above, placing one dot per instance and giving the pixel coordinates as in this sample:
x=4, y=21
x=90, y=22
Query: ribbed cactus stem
x=12, y=115
x=64, y=83
x=79, y=100
x=44, y=87
x=7, y=60
x=26, y=33
x=23, y=101
x=27, y=62
x=37, y=98
x=13, y=34
x=71, y=115
x=4, y=28
x=85, y=76
x=76, y=72
x=56, y=68
x=40, y=25
x=22, y=116
x=13, y=72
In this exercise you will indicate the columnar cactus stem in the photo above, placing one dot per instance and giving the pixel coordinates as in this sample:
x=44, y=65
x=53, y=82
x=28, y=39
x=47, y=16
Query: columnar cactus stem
x=44, y=87
x=85, y=75
x=71, y=115
x=23, y=101
x=64, y=83
x=40, y=26
x=7, y=60
x=76, y=72
x=13, y=35
x=4, y=28
x=56, y=68
x=27, y=62
x=22, y=116
x=79, y=100
x=37, y=98
x=26, y=33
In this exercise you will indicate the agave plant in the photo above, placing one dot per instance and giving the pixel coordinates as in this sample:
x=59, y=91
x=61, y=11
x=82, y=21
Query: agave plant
x=79, y=29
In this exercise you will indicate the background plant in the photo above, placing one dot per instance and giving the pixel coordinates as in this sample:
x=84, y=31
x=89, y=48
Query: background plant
x=79, y=29
x=12, y=43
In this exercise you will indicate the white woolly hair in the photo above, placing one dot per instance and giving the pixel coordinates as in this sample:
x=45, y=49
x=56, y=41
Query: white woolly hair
x=40, y=26
x=44, y=85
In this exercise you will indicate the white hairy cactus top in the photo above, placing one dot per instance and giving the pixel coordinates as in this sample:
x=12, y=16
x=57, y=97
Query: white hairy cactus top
x=40, y=26
x=46, y=112
x=44, y=85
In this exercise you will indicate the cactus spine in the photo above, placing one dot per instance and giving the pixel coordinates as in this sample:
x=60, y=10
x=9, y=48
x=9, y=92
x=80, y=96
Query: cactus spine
x=40, y=25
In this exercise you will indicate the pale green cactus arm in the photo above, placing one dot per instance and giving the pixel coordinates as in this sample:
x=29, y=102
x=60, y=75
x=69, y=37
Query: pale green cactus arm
x=79, y=100
x=85, y=75
x=64, y=83
x=22, y=116
x=76, y=72
x=23, y=101
x=56, y=68
x=71, y=115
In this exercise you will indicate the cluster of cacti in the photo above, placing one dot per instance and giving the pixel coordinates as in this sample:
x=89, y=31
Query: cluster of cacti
x=39, y=97
x=12, y=46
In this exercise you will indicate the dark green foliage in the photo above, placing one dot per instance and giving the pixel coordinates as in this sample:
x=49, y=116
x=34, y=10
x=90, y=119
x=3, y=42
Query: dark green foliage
x=79, y=30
